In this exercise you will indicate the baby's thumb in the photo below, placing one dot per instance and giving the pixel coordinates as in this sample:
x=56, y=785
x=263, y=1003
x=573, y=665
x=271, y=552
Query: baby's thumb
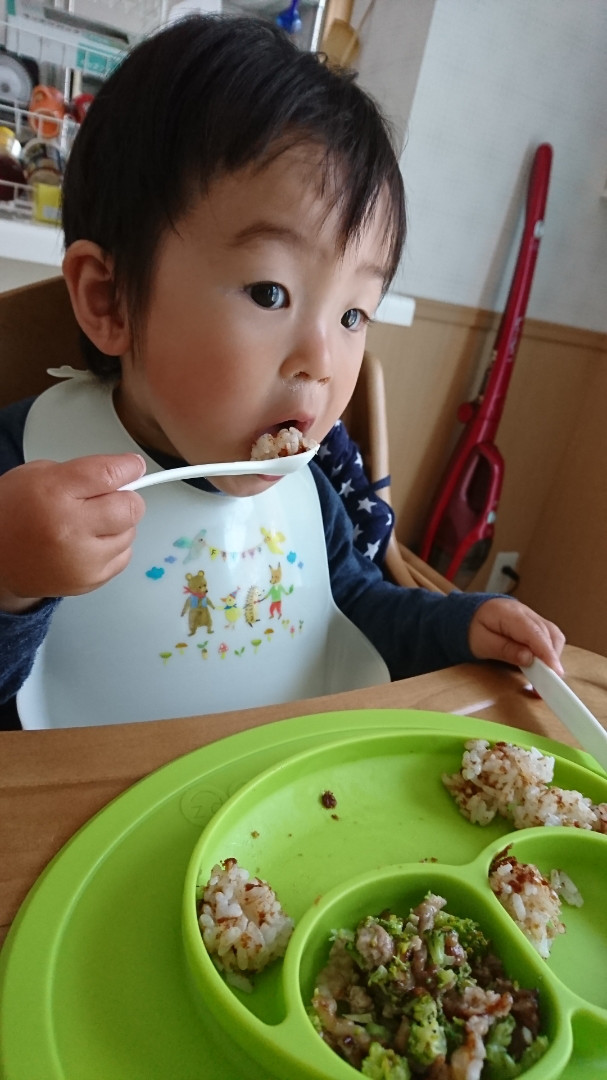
x=100, y=474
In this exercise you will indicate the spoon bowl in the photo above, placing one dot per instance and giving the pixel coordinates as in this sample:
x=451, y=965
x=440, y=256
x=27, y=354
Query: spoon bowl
x=280, y=466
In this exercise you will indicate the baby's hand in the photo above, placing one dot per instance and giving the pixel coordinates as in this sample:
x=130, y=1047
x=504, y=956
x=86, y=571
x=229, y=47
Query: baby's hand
x=66, y=529
x=503, y=629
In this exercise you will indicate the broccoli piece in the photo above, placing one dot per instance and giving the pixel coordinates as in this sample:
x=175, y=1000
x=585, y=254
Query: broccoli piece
x=500, y=1034
x=427, y=1039
x=534, y=1052
x=378, y=1031
x=435, y=940
x=391, y=983
x=470, y=935
x=463, y=977
x=499, y=1064
x=383, y=1064
x=391, y=922
x=446, y=979
x=379, y=977
x=455, y=1033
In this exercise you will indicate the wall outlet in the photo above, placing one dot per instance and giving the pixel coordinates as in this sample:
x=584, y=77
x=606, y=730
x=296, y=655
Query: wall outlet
x=498, y=581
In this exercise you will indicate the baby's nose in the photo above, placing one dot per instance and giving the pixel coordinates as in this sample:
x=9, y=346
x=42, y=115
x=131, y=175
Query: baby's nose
x=310, y=359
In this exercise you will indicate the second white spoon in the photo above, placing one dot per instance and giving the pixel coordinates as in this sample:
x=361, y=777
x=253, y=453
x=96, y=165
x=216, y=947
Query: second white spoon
x=559, y=697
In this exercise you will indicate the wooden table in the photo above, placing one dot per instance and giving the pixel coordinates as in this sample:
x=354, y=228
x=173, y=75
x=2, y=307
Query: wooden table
x=52, y=782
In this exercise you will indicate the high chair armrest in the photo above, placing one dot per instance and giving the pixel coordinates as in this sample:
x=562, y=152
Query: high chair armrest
x=407, y=569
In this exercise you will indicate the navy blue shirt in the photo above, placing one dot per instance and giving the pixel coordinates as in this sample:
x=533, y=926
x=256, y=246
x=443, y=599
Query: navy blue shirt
x=414, y=630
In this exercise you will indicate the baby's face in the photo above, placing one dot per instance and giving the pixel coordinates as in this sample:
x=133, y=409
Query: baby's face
x=256, y=321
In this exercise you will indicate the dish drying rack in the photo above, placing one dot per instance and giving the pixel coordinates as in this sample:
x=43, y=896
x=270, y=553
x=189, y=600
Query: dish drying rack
x=22, y=122
x=89, y=59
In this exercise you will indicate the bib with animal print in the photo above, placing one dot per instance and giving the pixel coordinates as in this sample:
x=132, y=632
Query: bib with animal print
x=225, y=604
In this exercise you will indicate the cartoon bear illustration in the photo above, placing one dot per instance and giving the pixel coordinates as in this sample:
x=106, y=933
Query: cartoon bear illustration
x=197, y=603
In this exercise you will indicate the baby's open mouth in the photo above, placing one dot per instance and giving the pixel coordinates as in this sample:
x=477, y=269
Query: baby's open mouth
x=282, y=440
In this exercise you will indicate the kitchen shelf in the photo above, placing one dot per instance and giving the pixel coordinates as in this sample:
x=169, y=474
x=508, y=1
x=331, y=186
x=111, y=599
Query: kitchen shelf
x=26, y=241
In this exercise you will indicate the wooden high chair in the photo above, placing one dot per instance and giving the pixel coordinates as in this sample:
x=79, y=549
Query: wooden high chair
x=366, y=421
x=38, y=331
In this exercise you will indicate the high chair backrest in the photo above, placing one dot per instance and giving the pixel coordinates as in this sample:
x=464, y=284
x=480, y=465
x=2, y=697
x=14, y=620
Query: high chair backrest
x=366, y=421
x=38, y=331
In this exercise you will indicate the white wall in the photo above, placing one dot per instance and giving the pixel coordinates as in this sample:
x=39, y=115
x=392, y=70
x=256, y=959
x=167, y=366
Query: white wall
x=393, y=40
x=497, y=78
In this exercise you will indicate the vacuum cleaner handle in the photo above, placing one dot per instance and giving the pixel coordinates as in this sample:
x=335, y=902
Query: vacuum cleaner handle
x=511, y=323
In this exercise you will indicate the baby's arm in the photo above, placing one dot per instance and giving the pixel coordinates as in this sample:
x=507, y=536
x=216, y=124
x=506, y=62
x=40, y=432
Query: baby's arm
x=66, y=528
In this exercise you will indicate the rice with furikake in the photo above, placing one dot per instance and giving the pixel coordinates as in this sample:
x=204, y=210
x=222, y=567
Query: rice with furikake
x=242, y=922
x=532, y=900
x=507, y=781
x=424, y=996
x=284, y=443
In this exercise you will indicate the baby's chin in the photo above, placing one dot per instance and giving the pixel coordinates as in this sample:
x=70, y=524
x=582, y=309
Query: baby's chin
x=242, y=486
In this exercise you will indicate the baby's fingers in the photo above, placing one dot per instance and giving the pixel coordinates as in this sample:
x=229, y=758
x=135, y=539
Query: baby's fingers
x=509, y=631
x=533, y=636
x=100, y=474
x=113, y=514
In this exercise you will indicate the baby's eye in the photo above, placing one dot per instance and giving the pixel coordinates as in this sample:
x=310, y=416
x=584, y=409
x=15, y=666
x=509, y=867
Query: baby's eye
x=353, y=319
x=267, y=294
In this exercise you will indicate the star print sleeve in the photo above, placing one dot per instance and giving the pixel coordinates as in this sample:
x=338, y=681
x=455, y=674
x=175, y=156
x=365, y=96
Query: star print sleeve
x=414, y=630
x=372, y=517
x=20, y=635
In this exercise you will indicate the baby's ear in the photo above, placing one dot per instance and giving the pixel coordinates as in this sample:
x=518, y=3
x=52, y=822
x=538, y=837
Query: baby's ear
x=89, y=276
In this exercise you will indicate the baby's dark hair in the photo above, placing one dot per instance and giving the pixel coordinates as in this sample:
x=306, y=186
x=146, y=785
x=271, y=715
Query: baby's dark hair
x=203, y=98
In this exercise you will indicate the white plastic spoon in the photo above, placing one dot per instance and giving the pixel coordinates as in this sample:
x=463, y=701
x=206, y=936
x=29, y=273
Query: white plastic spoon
x=590, y=734
x=280, y=466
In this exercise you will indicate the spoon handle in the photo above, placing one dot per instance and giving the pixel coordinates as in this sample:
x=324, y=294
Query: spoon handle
x=570, y=710
x=190, y=472
x=272, y=467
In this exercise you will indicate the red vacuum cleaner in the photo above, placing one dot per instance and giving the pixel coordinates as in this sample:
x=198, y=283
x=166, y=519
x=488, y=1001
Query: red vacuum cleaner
x=461, y=525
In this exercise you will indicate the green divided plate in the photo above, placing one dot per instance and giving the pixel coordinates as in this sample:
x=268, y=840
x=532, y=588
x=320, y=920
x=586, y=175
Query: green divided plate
x=99, y=980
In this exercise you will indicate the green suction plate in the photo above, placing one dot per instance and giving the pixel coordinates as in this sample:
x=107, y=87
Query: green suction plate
x=103, y=978
x=391, y=812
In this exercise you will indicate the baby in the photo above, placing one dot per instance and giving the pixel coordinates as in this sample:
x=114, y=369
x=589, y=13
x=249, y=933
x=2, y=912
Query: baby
x=233, y=212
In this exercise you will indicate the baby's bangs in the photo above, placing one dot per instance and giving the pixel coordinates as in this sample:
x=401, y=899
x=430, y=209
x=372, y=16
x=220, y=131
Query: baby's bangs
x=356, y=188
